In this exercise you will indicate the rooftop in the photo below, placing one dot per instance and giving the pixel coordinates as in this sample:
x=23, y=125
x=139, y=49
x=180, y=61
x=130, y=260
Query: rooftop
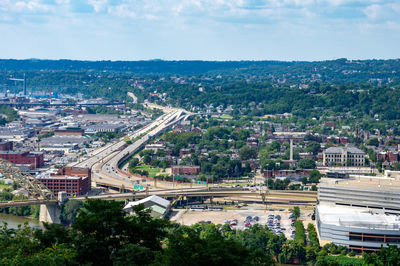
x=63, y=140
x=47, y=176
x=343, y=149
x=363, y=183
x=156, y=199
x=357, y=218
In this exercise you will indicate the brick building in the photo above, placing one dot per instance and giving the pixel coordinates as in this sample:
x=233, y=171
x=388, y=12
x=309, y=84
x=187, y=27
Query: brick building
x=293, y=174
x=6, y=145
x=33, y=159
x=69, y=132
x=185, y=170
x=72, y=180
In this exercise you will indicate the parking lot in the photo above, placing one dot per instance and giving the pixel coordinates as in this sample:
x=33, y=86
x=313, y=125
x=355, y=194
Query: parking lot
x=189, y=217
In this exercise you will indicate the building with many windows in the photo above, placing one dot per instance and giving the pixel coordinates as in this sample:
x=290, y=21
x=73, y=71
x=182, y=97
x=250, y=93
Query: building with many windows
x=32, y=159
x=72, y=180
x=344, y=156
x=185, y=170
x=361, y=213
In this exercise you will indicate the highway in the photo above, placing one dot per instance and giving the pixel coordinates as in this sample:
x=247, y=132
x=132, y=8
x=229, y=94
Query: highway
x=104, y=161
x=272, y=196
x=308, y=198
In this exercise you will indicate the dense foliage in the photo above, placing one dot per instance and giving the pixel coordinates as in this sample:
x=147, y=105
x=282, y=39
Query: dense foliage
x=6, y=195
x=103, y=234
x=347, y=88
x=7, y=114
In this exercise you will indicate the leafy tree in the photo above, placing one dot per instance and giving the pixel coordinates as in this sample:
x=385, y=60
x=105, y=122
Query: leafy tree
x=315, y=176
x=103, y=229
x=187, y=247
x=313, y=147
x=69, y=211
x=274, y=146
x=385, y=256
x=300, y=235
x=373, y=142
x=247, y=153
x=21, y=247
x=396, y=166
x=277, y=184
x=296, y=212
x=306, y=163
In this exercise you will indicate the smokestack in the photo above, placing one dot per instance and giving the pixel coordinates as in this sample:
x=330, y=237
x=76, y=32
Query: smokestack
x=24, y=84
x=291, y=150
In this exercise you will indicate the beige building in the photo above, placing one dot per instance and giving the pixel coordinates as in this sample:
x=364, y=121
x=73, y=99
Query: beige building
x=344, y=156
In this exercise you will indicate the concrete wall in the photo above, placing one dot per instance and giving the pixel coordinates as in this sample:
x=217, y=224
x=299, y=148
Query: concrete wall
x=50, y=213
x=387, y=200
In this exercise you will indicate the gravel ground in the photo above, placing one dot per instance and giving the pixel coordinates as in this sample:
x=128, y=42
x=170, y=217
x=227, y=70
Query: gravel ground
x=190, y=217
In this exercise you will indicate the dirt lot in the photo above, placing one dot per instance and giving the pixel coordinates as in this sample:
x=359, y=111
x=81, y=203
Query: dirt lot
x=189, y=217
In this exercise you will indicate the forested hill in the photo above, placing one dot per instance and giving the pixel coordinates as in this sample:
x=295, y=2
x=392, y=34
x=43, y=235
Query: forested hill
x=334, y=71
x=141, y=67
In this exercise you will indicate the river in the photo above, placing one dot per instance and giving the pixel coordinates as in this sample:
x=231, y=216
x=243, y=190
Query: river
x=13, y=221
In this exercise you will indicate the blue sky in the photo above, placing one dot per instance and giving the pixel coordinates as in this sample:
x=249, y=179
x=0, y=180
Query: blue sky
x=200, y=29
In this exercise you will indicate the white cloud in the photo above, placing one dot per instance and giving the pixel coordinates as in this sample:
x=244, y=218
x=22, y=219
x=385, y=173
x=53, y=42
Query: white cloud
x=373, y=11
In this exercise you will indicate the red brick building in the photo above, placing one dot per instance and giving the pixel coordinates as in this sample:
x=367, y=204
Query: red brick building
x=185, y=170
x=288, y=173
x=393, y=157
x=33, y=159
x=72, y=180
x=69, y=132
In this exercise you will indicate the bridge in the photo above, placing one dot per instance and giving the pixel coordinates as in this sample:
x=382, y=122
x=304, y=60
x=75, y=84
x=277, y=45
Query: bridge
x=105, y=168
x=269, y=197
x=38, y=193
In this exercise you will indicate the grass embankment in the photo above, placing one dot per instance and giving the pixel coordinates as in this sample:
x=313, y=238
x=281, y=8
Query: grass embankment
x=153, y=171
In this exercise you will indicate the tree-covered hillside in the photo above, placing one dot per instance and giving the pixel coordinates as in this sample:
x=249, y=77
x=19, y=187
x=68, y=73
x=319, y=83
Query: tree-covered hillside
x=358, y=88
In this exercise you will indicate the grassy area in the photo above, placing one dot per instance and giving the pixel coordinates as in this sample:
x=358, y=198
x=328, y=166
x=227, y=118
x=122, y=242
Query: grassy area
x=226, y=116
x=151, y=170
x=3, y=186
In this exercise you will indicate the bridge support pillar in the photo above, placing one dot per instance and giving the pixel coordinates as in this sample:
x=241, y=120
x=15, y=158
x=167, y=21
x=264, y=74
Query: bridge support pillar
x=50, y=213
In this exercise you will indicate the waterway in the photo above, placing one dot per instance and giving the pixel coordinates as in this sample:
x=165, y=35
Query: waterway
x=13, y=221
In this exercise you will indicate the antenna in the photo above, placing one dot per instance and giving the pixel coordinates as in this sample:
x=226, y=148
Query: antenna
x=24, y=85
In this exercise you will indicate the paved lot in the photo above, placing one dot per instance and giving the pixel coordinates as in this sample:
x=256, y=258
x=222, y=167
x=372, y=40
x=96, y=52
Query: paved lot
x=189, y=217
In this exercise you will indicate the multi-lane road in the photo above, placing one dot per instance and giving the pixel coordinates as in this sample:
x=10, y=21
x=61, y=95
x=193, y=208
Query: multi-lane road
x=104, y=161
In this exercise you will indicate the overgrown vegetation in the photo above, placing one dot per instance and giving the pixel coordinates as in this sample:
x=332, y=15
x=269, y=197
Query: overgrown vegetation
x=103, y=234
x=7, y=114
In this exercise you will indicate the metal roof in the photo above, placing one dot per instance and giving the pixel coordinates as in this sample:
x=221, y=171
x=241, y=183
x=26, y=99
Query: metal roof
x=156, y=199
x=344, y=149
